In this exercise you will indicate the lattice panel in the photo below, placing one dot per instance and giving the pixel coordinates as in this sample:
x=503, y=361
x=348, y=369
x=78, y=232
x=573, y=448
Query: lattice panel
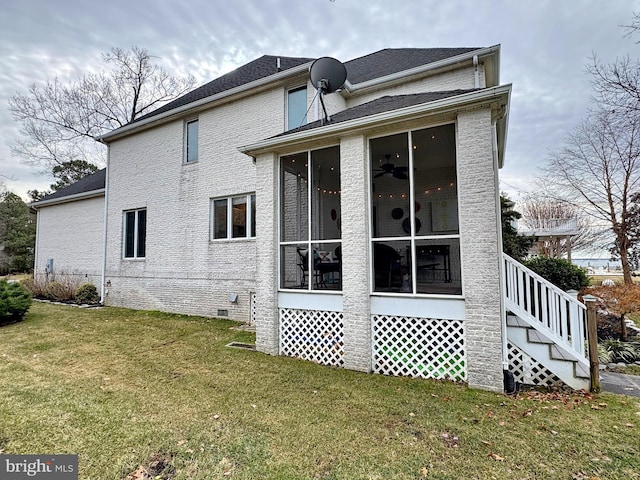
x=314, y=335
x=419, y=347
x=252, y=308
x=527, y=370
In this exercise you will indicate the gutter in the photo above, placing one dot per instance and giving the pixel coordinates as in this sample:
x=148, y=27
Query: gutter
x=487, y=94
x=256, y=84
x=69, y=198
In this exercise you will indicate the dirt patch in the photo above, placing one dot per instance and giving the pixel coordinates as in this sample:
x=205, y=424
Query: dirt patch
x=159, y=467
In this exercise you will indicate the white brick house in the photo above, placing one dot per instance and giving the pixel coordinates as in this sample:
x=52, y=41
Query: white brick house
x=369, y=241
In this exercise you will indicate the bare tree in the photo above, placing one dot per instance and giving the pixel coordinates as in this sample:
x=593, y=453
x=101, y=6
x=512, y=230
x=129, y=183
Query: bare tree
x=597, y=172
x=59, y=121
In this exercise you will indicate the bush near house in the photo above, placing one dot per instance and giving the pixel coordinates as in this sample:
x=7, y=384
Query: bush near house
x=87, y=293
x=15, y=301
x=63, y=289
x=562, y=273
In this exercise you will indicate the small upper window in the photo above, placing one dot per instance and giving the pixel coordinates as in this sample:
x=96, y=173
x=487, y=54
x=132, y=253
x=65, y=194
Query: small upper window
x=296, y=107
x=191, y=141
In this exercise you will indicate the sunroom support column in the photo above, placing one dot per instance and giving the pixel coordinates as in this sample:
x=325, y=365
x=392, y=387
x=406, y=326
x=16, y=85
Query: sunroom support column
x=267, y=323
x=481, y=250
x=355, y=253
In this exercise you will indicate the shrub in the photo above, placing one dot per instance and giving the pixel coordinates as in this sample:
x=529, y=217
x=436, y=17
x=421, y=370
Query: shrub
x=15, y=301
x=87, y=293
x=37, y=287
x=620, y=351
x=59, y=291
x=560, y=272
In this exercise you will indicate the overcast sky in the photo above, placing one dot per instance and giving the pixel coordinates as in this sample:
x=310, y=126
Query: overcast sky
x=545, y=47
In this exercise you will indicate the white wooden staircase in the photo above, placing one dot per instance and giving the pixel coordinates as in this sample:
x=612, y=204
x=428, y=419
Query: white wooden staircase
x=546, y=330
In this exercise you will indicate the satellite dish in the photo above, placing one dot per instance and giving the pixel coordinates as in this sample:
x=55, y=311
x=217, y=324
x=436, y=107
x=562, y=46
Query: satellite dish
x=327, y=75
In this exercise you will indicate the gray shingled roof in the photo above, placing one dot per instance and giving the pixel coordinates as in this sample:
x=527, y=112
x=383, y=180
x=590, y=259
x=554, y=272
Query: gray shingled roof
x=95, y=181
x=252, y=71
x=379, y=105
x=375, y=65
x=393, y=60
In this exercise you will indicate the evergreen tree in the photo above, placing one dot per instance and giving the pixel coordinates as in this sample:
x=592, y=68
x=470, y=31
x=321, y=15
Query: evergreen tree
x=17, y=233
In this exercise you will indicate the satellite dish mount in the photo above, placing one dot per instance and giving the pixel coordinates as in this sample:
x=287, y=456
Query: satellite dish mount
x=327, y=75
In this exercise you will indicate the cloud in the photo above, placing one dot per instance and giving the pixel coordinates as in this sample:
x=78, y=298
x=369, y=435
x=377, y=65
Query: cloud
x=545, y=46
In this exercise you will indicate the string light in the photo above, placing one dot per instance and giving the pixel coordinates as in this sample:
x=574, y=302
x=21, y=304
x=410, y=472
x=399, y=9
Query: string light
x=438, y=188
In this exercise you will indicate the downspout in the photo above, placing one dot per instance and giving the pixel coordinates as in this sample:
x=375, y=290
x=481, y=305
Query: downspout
x=503, y=311
x=35, y=252
x=103, y=292
x=476, y=74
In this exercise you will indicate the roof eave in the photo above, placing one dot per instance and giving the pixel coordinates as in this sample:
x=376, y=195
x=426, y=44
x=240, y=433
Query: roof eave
x=494, y=50
x=68, y=198
x=165, y=116
x=438, y=106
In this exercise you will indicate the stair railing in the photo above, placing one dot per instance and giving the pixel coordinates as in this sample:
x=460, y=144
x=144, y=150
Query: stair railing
x=545, y=307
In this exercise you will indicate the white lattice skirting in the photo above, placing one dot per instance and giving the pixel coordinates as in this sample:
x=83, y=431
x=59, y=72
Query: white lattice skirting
x=313, y=335
x=419, y=347
x=527, y=370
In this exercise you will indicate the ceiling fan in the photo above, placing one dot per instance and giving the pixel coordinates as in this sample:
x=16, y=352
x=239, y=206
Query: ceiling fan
x=389, y=168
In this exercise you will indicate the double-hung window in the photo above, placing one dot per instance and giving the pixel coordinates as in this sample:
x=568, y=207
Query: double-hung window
x=191, y=141
x=135, y=233
x=296, y=107
x=233, y=217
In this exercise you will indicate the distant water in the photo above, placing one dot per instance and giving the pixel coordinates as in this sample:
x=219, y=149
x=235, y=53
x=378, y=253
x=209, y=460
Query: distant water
x=597, y=263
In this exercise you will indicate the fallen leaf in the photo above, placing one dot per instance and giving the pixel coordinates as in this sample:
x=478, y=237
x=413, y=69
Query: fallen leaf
x=411, y=414
x=502, y=424
x=630, y=425
x=424, y=472
x=216, y=416
x=485, y=442
x=496, y=457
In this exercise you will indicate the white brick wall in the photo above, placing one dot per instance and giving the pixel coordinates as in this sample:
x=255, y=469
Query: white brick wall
x=481, y=249
x=183, y=270
x=452, y=80
x=355, y=253
x=72, y=234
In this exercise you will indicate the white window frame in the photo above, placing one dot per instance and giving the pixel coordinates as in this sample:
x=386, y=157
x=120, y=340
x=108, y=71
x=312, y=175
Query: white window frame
x=136, y=231
x=412, y=238
x=250, y=233
x=289, y=92
x=186, y=140
x=309, y=242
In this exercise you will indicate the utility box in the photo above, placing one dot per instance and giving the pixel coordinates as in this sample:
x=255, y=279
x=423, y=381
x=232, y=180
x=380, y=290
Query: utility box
x=48, y=269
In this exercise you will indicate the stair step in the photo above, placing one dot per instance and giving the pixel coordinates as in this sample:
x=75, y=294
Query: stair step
x=515, y=321
x=582, y=371
x=560, y=354
x=568, y=369
x=534, y=336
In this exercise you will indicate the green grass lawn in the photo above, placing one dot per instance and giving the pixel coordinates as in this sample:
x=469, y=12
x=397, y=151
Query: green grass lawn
x=120, y=386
